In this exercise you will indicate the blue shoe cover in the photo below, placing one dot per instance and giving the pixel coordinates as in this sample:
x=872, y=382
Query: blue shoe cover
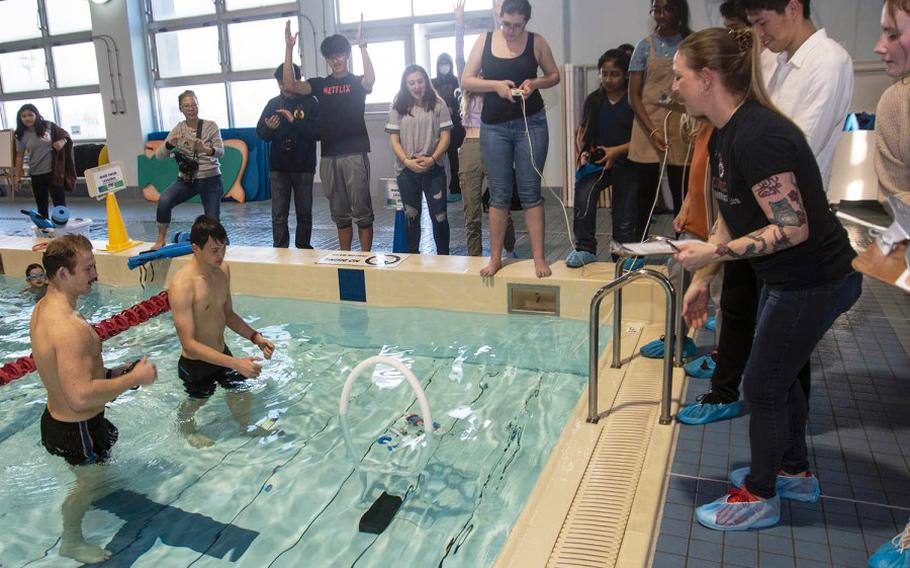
x=711, y=324
x=453, y=197
x=701, y=368
x=893, y=554
x=805, y=489
x=655, y=349
x=631, y=264
x=723, y=515
x=702, y=413
x=579, y=258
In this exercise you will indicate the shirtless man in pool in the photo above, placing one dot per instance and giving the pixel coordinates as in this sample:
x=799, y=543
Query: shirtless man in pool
x=67, y=353
x=200, y=298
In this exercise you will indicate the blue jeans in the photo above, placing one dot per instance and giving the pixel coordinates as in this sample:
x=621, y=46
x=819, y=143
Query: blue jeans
x=506, y=150
x=209, y=189
x=432, y=183
x=790, y=323
x=284, y=185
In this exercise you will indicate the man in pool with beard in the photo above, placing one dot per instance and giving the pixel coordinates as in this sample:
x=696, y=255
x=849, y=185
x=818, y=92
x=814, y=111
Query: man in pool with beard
x=200, y=298
x=67, y=353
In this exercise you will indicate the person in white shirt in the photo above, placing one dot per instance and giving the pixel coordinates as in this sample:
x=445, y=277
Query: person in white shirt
x=808, y=75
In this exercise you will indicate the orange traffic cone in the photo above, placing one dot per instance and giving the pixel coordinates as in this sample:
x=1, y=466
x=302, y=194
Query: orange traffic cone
x=117, y=237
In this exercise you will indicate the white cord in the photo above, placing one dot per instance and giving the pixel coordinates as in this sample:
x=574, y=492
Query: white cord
x=660, y=180
x=524, y=113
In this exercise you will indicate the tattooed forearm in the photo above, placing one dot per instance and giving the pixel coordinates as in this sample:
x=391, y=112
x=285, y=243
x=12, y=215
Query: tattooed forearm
x=781, y=240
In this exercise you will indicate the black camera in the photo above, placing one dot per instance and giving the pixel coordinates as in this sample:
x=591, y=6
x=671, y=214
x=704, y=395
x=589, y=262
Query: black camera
x=187, y=166
x=597, y=155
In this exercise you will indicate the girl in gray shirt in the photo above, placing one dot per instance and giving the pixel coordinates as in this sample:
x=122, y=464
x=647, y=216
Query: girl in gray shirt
x=419, y=128
x=33, y=137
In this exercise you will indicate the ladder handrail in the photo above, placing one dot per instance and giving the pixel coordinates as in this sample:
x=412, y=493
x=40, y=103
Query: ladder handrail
x=616, y=286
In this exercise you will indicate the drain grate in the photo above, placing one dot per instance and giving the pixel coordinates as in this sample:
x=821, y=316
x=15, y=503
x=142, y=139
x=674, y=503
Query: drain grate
x=592, y=533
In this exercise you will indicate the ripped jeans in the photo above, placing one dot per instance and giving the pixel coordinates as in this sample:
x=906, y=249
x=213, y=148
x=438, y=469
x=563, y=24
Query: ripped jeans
x=432, y=183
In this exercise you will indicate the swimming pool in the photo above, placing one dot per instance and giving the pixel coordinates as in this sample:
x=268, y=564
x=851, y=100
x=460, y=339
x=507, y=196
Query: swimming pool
x=500, y=388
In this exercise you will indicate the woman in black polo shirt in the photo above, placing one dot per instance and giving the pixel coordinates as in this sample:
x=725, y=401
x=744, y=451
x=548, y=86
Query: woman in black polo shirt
x=773, y=211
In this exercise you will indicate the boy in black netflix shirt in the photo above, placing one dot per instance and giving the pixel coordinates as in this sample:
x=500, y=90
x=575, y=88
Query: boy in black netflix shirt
x=345, y=166
x=291, y=123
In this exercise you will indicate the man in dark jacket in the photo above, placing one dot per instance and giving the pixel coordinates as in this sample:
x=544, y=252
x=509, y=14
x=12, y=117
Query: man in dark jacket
x=290, y=123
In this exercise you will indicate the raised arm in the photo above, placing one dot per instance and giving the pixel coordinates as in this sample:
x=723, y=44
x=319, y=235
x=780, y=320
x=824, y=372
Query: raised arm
x=459, y=39
x=287, y=77
x=369, y=74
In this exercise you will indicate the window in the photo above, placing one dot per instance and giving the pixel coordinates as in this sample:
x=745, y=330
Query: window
x=19, y=20
x=235, y=46
x=82, y=116
x=170, y=9
x=349, y=11
x=10, y=108
x=241, y=4
x=188, y=52
x=266, y=35
x=70, y=64
x=248, y=98
x=212, y=104
x=67, y=16
x=389, y=61
x=53, y=67
x=23, y=71
x=432, y=7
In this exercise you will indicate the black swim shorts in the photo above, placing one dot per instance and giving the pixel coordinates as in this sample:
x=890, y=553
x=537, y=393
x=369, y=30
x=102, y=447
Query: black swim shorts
x=79, y=443
x=199, y=378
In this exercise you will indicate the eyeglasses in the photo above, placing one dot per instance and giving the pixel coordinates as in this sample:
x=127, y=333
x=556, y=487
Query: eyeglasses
x=337, y=57
x=191, y=106
x=35, y=276
x=507, y=27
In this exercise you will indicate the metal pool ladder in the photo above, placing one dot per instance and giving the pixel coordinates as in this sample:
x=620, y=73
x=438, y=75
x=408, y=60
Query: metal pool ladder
x=616, y=286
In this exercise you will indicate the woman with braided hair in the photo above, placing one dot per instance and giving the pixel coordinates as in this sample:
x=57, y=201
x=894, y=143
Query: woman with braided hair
x=773, y=212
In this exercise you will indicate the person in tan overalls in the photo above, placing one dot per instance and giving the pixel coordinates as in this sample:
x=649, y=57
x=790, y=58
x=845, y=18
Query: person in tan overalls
x=654, y=133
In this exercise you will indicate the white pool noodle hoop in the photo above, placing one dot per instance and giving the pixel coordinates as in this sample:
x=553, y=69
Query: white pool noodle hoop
x=415, y=386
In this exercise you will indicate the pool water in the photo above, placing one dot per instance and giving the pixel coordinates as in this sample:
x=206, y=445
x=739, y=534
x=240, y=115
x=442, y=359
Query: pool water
x=499, y=387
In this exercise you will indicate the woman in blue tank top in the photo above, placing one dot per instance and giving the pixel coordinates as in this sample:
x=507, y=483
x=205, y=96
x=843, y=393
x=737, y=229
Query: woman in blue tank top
x=513, y=134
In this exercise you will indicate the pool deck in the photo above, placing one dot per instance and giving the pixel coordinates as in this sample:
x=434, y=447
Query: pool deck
x=859, y=431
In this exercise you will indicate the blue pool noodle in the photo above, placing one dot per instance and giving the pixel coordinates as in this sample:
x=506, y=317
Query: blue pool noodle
x=169, y=251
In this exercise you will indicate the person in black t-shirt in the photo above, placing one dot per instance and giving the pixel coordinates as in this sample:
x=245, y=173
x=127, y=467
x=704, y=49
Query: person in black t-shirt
x=603, y=139
x=345, y=166
x=773, y=211
x=290, y=123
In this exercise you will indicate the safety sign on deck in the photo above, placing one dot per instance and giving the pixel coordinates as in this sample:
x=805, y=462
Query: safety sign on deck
x=352, y=258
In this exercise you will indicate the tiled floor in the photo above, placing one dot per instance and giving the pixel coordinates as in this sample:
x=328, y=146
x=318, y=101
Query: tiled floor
x=859, y=441
x=859, y=423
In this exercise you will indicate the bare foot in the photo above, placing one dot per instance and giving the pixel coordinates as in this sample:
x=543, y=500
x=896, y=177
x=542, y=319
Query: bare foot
x=85, y=552
x=491, y=268
x=157, y=245
x=542, y=268
x=198, y=440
